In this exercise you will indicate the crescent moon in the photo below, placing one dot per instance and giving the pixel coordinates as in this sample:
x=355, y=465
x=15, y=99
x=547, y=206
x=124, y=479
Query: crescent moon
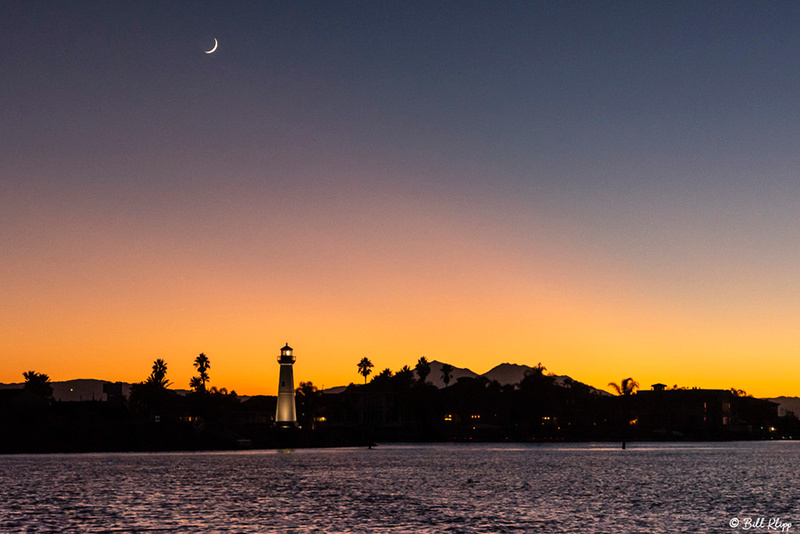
x=213, y=48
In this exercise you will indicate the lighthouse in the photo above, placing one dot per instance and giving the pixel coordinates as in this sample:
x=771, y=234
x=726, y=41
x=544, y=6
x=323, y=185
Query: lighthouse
x=285, y=415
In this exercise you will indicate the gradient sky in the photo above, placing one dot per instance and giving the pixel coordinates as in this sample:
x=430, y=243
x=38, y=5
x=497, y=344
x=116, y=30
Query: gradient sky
x=609, y=188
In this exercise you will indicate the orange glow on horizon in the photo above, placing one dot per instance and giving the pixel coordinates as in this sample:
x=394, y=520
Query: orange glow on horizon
x=397, y=281
x=595, y=343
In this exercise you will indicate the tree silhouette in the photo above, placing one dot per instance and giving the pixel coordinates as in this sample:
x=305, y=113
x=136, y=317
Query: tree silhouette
x=196, y=383
x=536, y=381
x=405, y=376
x=405, y=371
x=307, y=397
x=158, y=377
x=625, y=389
x=423, y=369
x=202, y=364
x=383, y=376
x=151, y=396
x=365, y=368
x=447, y=373
x=38, y=383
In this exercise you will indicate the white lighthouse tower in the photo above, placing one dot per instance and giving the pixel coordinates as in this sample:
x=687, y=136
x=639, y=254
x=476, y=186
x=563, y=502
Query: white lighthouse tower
x=285, y=414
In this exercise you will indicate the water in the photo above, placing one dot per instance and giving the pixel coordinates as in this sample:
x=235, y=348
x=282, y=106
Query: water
x=586, y=488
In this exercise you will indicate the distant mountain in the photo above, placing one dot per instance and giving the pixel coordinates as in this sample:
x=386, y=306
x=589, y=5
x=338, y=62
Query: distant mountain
x=435, y=377
x=82, y=389
x=507, y=373
x=512, y=373
x=787, y=404
x=75, y=390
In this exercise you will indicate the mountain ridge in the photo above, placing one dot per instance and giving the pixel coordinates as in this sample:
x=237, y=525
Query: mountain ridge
x=87, y=389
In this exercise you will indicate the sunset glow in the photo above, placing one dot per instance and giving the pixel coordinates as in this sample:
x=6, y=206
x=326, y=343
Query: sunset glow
x=394, y=187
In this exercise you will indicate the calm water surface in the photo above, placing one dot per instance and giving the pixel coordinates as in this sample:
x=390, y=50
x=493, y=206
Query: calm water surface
x=592, y=488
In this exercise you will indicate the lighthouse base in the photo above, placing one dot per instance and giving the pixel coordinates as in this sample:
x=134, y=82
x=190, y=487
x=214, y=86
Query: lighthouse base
x=287, y=424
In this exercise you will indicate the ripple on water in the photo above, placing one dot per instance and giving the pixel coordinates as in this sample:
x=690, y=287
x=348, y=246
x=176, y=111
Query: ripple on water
x=424, y=488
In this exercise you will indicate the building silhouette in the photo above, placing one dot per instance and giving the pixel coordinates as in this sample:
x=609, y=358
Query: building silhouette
x=702, y=414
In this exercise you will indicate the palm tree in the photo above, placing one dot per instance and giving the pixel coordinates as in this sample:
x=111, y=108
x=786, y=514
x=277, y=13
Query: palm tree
x=534, y=380
x=405, y=372
x=384, y=376
x=447, y=373
x=625, y=389
x=38, y=383
x=365, y=368
x=405, y=376
x=538, y=369
x=196, y=384
x=307, y=397
x=158, y=377
x=423, y=369
x=202, y=364
x=150, y=397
